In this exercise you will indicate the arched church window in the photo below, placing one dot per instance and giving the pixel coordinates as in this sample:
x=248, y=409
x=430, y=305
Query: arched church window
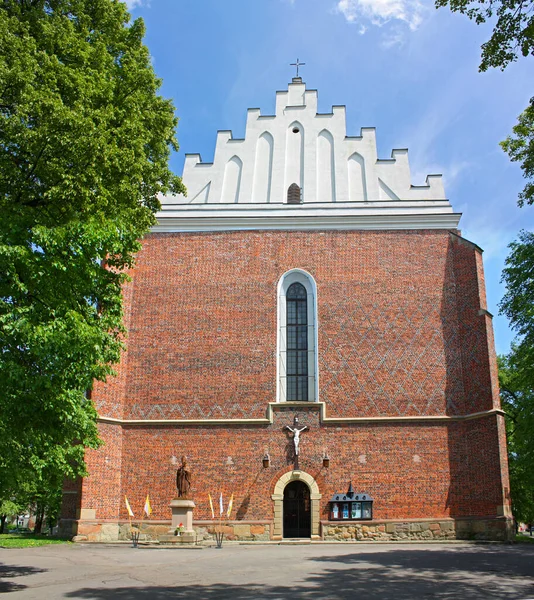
x=297, y=342
x=297, y=338
x=293, y=194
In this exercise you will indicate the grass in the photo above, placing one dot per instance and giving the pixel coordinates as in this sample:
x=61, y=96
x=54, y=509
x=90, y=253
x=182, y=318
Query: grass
x=524, y=538
x=27, y=540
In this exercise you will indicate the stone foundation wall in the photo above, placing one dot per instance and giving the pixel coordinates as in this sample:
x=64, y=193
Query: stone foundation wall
x=442, y=529
x=249, y=532
x=86, y=531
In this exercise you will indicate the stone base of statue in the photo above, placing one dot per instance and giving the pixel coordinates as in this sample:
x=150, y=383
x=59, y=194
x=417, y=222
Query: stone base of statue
x=182, y=513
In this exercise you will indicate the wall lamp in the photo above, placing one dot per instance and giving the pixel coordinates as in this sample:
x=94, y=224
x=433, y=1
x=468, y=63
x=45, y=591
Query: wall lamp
x=326, y=460
x=266, y=461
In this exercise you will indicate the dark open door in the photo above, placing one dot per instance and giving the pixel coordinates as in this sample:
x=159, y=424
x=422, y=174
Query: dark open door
x=297, y=514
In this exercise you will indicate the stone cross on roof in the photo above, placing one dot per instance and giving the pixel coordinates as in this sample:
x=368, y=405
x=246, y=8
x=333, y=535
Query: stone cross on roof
x=297, y=64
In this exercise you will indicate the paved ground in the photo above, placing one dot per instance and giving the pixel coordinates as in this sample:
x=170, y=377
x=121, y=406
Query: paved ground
x=362, y=571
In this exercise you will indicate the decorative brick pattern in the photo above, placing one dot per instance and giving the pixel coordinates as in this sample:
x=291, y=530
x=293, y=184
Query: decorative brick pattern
x=396, y=311
x=402, y=332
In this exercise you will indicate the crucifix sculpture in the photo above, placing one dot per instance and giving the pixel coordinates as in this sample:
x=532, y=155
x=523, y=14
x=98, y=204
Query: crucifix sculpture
x=296, y=431
x=297, y=64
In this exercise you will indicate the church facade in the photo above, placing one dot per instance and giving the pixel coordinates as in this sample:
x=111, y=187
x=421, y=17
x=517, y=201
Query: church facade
x=310, y=330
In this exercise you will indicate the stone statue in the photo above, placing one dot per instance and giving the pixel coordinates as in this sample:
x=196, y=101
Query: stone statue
x=183, y=479
x=296, y=434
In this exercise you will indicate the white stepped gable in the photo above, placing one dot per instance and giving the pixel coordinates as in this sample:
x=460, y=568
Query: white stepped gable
x=340, y=177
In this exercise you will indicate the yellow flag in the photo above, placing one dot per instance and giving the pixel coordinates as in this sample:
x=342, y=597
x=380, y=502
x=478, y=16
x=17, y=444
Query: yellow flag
x=128, y=507
x=211, y=506
x=147, y=508
x=230, y=504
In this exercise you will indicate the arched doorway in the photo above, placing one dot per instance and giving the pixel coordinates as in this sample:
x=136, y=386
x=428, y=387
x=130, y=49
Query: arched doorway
x=278, y=498
x=297, y=510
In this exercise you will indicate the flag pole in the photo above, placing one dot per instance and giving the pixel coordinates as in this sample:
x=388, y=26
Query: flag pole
x=133, y=534
x=219, y=532
x=147, y=509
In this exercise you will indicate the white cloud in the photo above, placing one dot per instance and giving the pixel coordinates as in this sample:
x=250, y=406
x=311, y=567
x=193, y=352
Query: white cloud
x=452, y=171
x=380, y=12
x=394, y=38
x=131, y=4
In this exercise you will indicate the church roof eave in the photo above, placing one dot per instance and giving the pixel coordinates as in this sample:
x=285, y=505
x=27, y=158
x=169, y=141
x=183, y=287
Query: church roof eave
x=207, y=221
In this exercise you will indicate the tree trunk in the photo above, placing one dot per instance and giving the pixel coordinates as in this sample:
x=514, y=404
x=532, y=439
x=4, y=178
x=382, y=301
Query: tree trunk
x=2, y=523
x=39, y=517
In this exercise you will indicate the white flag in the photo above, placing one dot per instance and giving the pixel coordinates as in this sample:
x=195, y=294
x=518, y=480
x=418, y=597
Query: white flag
x=221, y=504
x=147, y=508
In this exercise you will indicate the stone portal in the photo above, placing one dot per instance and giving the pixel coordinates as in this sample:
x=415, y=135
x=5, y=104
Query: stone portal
x=314, y=499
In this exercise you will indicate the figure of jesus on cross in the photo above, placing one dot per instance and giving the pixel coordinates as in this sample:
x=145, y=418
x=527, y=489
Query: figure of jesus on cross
x=296, y=433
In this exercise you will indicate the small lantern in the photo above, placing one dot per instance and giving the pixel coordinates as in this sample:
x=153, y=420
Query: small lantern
x=326, y=460
x=266, y=461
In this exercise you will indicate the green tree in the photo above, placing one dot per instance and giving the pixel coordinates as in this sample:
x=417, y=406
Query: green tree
x=24, y=490
x=518, y=301
x=84, y=146
x=45, y=496
x=513, y=32
x=516, y=373
x=512, y=36
x=517, y=398
x=15, y=484
x=9, y=508
x=520, y=148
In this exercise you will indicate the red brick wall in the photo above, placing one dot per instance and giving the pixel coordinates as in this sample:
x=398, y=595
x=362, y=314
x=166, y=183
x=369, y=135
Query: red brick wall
x=400, y=334
x=407, y=468
x=70, y=502
x=395, y=311
x=109, y=397
x=102, y=489
x=478, y=358
x=475, y=465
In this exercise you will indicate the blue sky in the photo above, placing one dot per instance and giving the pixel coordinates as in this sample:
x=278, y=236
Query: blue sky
x=401, y=66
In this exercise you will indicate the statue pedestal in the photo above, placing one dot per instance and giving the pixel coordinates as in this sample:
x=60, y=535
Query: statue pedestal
x=182, y=512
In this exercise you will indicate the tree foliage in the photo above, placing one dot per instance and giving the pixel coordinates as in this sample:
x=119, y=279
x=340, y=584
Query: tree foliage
x=84, y=146
x=516, y=373
x=512, y=36
x=513, y=32
x=518, y=301
x=25, y=490
x=517, y=398
x=520, y=148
